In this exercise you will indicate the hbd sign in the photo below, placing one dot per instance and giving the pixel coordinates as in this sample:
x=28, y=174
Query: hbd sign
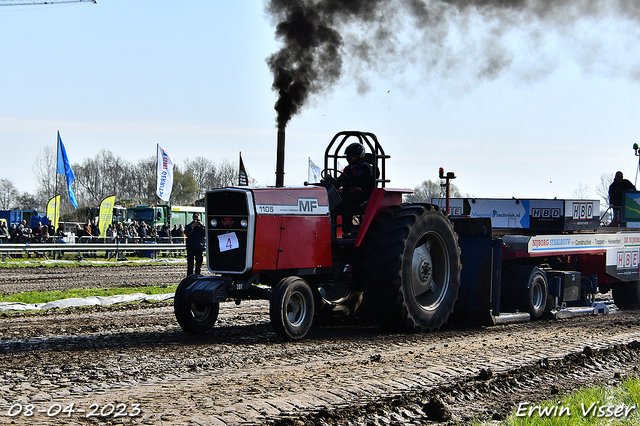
x=545, y=212
x=582, y=210
x=628, y=259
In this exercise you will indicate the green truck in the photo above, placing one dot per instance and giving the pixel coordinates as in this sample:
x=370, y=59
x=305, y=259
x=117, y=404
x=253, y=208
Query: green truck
x=160, y=214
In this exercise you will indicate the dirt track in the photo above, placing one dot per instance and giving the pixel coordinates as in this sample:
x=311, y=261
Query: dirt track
x=241, y=372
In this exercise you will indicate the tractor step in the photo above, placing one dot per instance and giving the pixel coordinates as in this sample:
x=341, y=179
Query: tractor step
x=208, y=290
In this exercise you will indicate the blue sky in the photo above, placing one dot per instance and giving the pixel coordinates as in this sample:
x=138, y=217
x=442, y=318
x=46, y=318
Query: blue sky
x=563, y=109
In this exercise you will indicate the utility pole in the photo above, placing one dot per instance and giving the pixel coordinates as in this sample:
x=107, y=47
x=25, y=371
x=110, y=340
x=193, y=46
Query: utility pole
x=32, y=2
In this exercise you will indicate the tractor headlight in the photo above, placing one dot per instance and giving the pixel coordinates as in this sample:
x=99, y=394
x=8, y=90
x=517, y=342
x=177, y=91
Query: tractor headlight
x=244, y=223
x=213, y=223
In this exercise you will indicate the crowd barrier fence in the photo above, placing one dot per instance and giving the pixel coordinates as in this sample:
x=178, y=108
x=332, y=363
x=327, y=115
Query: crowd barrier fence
x=88, y=247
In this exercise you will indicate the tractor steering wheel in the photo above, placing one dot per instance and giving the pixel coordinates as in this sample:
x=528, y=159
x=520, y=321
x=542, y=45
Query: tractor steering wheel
x=330, y=175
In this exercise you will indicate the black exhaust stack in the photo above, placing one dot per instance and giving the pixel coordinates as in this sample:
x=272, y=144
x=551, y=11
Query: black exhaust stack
x=280, y=160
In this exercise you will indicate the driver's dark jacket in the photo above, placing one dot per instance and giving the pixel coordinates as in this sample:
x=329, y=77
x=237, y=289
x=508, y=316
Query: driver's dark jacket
x=358, y=177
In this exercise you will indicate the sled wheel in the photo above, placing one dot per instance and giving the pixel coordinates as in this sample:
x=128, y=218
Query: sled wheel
x=292, y=308
x=194, y=318
x=535, y=297
x=627, y=295
x=413, y=259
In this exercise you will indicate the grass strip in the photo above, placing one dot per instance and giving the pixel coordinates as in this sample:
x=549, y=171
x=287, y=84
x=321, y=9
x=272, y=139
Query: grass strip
x=70, y=262
x=32, y=297
x=600, y=405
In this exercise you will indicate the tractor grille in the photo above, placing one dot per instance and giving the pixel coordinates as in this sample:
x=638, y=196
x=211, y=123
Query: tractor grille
x=230, y=241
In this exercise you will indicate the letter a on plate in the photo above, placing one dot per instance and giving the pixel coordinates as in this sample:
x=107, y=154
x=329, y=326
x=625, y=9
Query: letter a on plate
x=228, y=241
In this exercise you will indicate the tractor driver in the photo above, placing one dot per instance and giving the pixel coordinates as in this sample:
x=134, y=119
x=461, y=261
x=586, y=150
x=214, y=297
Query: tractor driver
x=355, y=185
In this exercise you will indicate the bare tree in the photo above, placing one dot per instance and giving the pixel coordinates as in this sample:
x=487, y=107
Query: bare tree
x=203, y=171
x=101, y=177
x=45, y=171
x=26, y=201
x=144, y=176
x=581, y=192
x=8, y=194
x=185, y=189
x=227, y=174
x=428, y=189
x=603, y=187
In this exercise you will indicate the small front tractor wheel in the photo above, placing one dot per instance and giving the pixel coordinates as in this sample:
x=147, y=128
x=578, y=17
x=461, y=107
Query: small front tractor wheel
x=412, y=260
x=194, y=318
x=292, y=308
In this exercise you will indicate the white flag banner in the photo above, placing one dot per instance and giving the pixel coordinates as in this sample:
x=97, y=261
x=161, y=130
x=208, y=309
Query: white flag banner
x=165, y=174
x=314, y=172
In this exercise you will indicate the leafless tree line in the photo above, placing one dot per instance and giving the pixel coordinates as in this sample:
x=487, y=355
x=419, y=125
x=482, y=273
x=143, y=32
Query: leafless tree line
x=107, y=174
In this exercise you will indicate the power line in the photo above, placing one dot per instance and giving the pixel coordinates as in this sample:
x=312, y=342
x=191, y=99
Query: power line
x=31, y=2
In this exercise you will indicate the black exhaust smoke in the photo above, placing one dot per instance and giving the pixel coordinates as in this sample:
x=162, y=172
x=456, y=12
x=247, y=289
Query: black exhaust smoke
x=386, y=36
x=280, y=160
x=309, y=60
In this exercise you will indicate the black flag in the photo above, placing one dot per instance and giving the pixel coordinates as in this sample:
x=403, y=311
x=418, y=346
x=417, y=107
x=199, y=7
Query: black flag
x=243, y=179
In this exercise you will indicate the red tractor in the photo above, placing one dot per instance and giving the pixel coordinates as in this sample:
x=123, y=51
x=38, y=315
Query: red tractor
x=284, y=244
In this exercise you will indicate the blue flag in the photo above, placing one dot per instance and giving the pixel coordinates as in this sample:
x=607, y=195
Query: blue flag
x=64, y=168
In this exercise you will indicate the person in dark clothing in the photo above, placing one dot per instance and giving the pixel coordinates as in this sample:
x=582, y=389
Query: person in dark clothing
x=37, y=233
x=355, y=185
x=195, y=233
x=616, y=191
x=95, y=229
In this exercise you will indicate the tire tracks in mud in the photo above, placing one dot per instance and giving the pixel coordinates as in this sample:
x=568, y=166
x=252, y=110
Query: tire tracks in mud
x=42, y=278
x=242, y=373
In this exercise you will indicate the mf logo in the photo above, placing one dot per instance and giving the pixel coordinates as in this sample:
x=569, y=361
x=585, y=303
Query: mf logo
x=582, y=210
x=307, y=204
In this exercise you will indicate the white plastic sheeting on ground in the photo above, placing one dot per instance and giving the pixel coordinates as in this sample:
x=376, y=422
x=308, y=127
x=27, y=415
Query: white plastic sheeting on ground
x=85, y=301
x=178, y=261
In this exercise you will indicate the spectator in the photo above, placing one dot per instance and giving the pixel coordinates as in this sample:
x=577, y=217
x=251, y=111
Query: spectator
x=132, y=232
x=111, y=233
x=80, y=232
x=45, y=234
x=37, y=233
x=195, y=244
x=87, y=229
x=142, y=230
x=120, y=232
x=151, y=232
x=166, y=229
x=95, y=229
x=180, y=231
x=616, y=193
x=4, y=232
x=22, y=233
x=13, y=233
x=174, y=231
x=162, y=232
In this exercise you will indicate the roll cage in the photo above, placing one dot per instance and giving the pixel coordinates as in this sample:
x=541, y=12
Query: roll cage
x=374, y=154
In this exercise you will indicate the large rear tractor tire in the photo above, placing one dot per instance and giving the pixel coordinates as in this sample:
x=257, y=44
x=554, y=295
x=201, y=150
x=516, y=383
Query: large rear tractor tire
x=627, y=295
x=194, y=318
x=412, y=267
x=292, y=308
